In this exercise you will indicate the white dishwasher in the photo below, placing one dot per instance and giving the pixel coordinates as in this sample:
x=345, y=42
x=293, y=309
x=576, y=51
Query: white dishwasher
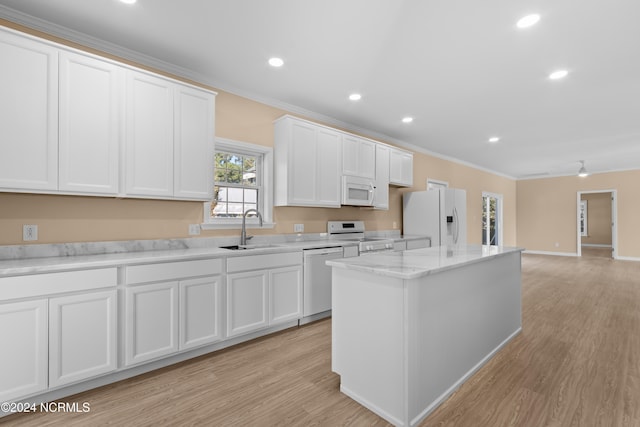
x=317, y=279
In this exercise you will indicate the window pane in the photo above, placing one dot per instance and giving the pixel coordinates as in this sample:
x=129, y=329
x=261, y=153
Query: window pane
x=220, y=194
x=235, y=162
x=251, y=196
x=235, y=194
x=234, y=177
x=235, y=209
x=220, y=209
x=250, y=206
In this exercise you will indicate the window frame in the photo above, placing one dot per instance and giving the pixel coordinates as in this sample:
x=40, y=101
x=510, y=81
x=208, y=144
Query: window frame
x=265, y=192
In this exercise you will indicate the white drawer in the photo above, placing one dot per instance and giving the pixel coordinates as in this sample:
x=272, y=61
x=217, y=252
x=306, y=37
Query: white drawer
x=261, y=262
x=172, y=270
x=54, y=283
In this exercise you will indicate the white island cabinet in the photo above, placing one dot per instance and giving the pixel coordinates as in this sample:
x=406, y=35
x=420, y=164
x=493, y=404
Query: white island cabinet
x=431, y=318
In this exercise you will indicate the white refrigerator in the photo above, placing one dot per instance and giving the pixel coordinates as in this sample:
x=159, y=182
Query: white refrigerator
x=440, y=214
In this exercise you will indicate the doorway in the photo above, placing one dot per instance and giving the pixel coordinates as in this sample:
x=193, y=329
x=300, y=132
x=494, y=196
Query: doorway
x=597, y=223
x=491, y=219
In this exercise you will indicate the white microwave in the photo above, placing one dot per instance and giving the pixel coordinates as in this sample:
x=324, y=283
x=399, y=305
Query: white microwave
x=357, y=191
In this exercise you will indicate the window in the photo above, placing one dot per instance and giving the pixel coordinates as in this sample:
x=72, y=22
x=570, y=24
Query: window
x=242, y=181
x=236, y=184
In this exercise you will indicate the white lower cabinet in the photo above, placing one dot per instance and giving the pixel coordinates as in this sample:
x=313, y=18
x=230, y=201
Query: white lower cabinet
x=247, y=304
x=179, y=310
x=200, y=307
x=82, y=336
x=23, y=359
x=151, y=321
x=262, y=291
x=285, y=294
x=49, y=340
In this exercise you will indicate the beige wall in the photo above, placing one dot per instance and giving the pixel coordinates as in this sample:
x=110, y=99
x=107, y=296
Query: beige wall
x=598, y=219
x=547, y=211
x=78, y=219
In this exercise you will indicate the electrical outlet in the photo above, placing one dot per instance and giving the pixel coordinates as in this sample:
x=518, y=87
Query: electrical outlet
x=395, y=225
x=557, y=244
x=194, y=229
x=298, y=228
x=29, y=232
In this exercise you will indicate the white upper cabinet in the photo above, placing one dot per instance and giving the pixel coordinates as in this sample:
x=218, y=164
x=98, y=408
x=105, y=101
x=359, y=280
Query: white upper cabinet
x=90, y=124
x=401, y=168
x=193, y=144
x=75, y=123
x=358, y=157
x=169, y=139
x=29, y=114
x=381, y=196
x=149, y=136
x=307, y=164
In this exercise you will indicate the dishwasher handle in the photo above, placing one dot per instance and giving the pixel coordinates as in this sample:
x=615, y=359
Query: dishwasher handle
x=323, y=251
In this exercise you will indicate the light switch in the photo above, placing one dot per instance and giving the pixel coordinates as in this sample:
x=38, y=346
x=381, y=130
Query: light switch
x=298, y=228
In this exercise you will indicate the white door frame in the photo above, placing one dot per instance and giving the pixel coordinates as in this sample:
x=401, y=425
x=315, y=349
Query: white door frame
x=614, y=221
x=500, y=202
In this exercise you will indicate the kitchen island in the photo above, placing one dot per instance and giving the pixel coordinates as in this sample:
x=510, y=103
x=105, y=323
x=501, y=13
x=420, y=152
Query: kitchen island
x=410, y=327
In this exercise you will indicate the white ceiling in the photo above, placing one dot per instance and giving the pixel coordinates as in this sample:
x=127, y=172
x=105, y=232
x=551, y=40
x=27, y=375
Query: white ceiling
x=461, y=68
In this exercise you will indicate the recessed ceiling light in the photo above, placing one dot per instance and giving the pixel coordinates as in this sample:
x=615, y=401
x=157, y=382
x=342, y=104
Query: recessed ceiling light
x=559, y=74
x=355, y=97
x=407, y=120
x=276, y=62
x=128, y=1
x=494, y=139
x=528, y=21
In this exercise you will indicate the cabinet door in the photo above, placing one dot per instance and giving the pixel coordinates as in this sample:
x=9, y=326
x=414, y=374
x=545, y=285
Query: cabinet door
x=247, y=303
x=193, y=144
x=199, y=312
x=285, y=294
x=401, y=168
x=149, y=136
x=29, y=114
x=381, y=197
x=23, y=359
x=90, y=115
x=328, y=159
x=82, y=336
x=151, y=323
x=303, y=164
x=358, y=157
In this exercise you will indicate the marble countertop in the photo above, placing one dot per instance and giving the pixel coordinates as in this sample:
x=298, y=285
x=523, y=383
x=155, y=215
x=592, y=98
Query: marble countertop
x=420, y=262
x=65, y=257
x=13, y=267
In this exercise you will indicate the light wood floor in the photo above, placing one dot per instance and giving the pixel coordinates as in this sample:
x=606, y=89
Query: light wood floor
x=576, y=363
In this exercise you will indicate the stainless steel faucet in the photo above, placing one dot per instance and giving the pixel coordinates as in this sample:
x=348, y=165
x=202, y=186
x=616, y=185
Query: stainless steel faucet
x=243, y=234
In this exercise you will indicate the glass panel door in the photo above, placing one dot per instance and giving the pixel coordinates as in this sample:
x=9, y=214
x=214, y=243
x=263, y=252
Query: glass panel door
x=491, y=212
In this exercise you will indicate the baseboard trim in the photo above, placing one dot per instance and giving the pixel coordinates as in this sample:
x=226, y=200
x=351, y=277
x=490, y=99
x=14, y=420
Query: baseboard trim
x=551, y=253
x=627, y=258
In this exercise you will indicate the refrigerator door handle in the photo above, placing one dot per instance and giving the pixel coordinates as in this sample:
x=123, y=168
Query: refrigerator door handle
x=457, y=229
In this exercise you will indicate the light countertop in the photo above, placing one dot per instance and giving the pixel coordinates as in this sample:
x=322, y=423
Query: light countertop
x=12, y=267
x=420, y=262
x=84, y=256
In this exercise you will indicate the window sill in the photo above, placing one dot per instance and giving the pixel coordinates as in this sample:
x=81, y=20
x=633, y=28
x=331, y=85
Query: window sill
x=236, y=225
